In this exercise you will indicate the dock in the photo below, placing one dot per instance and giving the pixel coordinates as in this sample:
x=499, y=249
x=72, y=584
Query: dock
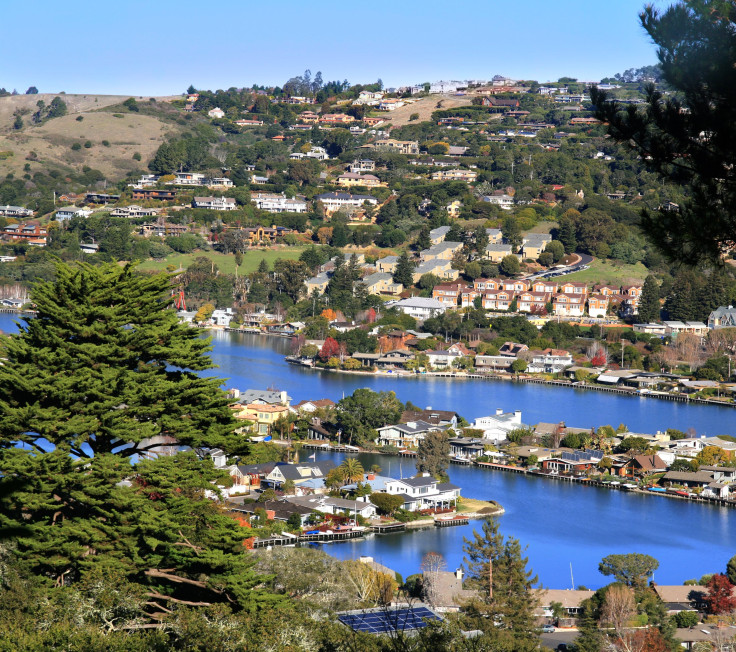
x=452, y=521
x=388, y=528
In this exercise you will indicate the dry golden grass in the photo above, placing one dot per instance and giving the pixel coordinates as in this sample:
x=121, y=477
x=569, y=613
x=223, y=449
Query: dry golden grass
x=52, y=140
x=424, y=107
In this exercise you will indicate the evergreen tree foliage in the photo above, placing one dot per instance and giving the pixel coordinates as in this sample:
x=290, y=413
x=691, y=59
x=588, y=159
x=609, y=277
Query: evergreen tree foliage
x=105, y=367
x=688, y=137
x=433, y=454
x=508, y=615
x=649, y=303
x=404, y=271
x=423, y=240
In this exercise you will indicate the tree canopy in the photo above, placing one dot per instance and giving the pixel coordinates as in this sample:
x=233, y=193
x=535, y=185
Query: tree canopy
x=632, y=569
x=687, y=137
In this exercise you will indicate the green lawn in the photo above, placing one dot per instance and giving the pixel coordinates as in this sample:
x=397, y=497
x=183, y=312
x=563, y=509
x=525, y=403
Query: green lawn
x=607, y=273
x=225, y=262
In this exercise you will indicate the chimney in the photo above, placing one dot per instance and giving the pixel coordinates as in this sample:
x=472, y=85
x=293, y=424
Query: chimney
x=370, y=476
x=459, y=573
x=499, y=411
x=517, y=415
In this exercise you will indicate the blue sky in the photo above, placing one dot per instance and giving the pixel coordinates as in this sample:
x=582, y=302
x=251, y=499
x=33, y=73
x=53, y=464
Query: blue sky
x=159, y=47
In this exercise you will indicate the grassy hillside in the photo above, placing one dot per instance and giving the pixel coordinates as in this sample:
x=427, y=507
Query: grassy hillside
x=609, y=273
x=225, y=262
x=125, y=132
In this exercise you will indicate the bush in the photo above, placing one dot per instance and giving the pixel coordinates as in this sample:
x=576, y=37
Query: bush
x=137, y=156
x=79, y=118
x=87, y=144
x=106, y=143
x=76, y=147
x=685, y=619
x=386, y=503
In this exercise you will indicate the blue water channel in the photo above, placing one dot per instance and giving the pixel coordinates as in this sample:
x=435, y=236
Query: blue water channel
x=562, y=524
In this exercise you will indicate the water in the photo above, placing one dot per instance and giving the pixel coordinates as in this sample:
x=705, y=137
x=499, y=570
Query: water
x=561, y=523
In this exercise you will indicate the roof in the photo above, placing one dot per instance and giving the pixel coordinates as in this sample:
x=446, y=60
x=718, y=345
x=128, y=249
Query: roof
x=650, y=462
x=382, y=620
x=685, y=476
x=420, y=302
x=420, y=481
x=428, y=416
x=568, y=598
x=267, y=396
x=680, y=594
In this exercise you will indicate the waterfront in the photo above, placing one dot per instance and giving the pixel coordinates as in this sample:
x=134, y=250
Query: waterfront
x=561, y=522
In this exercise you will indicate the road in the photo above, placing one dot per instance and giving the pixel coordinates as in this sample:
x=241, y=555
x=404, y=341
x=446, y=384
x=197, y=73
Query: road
x=551, y=641
x=583, y=263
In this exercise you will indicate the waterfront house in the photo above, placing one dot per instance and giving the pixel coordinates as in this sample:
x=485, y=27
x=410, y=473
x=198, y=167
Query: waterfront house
x=495, y=427
x=575, y=462
x=549, y=361
x=424, y=492
x=337, y=506
x=395, y=358
x=299, y=472
x=702, y=481
x=571, y=600
x=308, y=407
x=406, y=435
x=494, y=362
x=642, y=465
x=276, y=510
x=261, y=397
x=442, y=418
x=443, y=359
x=467, y=448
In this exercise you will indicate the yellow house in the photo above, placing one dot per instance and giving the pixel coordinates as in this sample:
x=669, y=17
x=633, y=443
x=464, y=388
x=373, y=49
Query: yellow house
x=454, y=208
x=350, y=179
x=263, y=416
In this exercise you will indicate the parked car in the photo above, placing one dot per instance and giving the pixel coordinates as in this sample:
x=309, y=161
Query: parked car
x=548, y=629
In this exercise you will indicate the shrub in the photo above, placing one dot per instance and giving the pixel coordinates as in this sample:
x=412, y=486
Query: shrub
x=76, y=147
x=79, y=118
x=87, y=144
x=106, y=143
x=137, y=156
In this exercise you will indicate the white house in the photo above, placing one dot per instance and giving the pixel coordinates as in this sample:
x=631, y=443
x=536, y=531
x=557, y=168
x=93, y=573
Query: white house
x=222, y=317
x=68, y=212
x=549, y=361
x=333, y=201
x=217, y=112
x=278, y=203
x=405, y=435
x=423, y=492
x=506, y=202
x=329, y=505
x=15, y=211
x=497, y=426
x=442, y=359
x=215, y=203
x=420, y=307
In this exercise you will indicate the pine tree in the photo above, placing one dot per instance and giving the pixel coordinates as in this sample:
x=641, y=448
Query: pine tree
x=105, y=367
x=423, y=240
x=481, y=240
x=649, y=303
x=433, y=454
x=404, y=272
x=567, y=235
x=507, y=614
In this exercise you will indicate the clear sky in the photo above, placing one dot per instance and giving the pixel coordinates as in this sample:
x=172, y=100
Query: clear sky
x=159, y=47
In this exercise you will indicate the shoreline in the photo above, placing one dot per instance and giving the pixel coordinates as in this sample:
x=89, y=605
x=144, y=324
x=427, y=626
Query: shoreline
x=680, y=398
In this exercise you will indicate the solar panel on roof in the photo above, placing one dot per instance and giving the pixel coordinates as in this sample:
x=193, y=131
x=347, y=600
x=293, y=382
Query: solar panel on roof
x=381, y=622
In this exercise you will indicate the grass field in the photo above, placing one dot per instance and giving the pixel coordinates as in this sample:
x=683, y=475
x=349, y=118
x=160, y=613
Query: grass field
x=225, y=262
x=607, y=273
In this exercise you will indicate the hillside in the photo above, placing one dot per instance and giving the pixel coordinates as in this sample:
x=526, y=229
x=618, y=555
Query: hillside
x=424, y=107
x=126, y=133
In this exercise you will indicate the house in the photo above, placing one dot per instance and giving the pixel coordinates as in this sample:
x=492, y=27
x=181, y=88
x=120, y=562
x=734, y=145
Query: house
x=533, y=244
x=467, y=448
x=276, y=510
x=494, y=363
x=249, y=123
x=533, y=301
x=498, y=300
x=217, y=112
x=390, y=104
x=405, y=435
x=496, y=426
x=439, y=234
x=382, y=283
x=448, y=293
x=15, y=211
x=440, y=267
x=162, y=228
x=133, y=211
x=336, y=119
x=308, y=117
x=722, y=317
x=350, y=179
x=308, y=407
x=317, y=284
x=397, y=146
x=574, y=288
x=362, y=165
x=571, y=600
x=337, y=506
x=101, y=198
x=147, y=194
x=424, y=492
x=278, y=203
x=443, y=359
x=215, y=203
x=445, y=250
x=455, y=175
x=567, y=305
x=504, y=201
x=387, y=264
x=497, y=252
x=641, y=465
x=395, y=358
x=575, y=462
x=30, y=231
x=650, y=329
x=68, y=212
x=674, y=328
x=189, y=179
x=421, y=308
x=261, y=397
x=299, y=472
x=334, y=201
x=222, y=317
x=597, y=305
x=442, y=418
x=682, y=597
x=550, y=361
x=262, y=416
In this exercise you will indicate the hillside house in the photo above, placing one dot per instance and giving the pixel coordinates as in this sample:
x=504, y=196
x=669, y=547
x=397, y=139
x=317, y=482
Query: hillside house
x=215, y=203
x=598, y=305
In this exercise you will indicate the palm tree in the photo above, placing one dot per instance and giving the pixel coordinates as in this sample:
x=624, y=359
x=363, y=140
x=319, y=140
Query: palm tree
x=351, y=470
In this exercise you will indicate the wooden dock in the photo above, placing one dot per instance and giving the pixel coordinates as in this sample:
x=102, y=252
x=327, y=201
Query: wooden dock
x=450, y=522
x=388, y=528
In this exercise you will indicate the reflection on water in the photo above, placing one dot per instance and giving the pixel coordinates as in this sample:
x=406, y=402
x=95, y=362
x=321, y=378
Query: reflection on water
x=563, y=523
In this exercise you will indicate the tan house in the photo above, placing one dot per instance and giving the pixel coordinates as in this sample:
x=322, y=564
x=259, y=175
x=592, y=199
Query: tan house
x=440, y=267
x=317, y=284
x=382, y=283
x=497, y=252
x=569, y=305
x=263, y=416
x=350, y=179
x=533, y=301
x=455, y=175
x=398, y=146
x=597, y=305
x=498, y=300
x=544, y=285
x=572, y=287
x=388, y=264
x=336, y=118
x=448, y=293
x=444, y=250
